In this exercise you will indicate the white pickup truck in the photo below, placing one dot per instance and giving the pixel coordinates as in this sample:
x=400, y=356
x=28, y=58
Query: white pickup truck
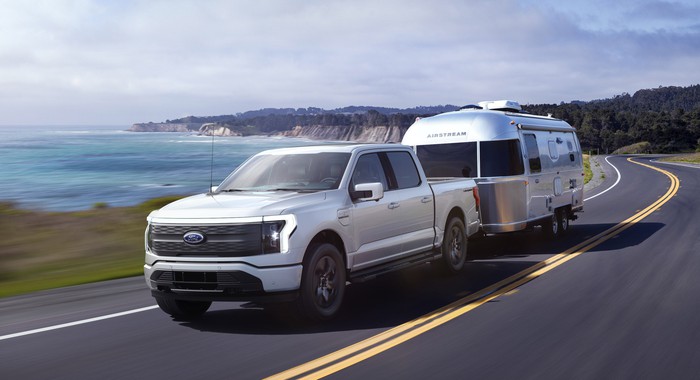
x=297, y=224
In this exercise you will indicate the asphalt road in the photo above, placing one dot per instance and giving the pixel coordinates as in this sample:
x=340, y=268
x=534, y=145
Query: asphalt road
x=609, y=300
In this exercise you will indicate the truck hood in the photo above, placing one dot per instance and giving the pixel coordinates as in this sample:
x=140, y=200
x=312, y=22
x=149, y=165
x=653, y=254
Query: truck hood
x=236, y=205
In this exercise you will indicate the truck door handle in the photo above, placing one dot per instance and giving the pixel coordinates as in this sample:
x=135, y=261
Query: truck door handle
x=394, y=205
x=426, y=199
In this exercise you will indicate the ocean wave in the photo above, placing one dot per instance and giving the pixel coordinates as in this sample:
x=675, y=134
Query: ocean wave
x=154, y=185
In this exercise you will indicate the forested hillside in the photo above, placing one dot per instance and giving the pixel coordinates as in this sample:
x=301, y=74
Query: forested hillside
x=279, y=123
x=666, y=117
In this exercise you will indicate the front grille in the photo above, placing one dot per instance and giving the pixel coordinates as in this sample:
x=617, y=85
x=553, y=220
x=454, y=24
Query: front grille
x=234, y=282
x=234, y=240
x=216, y=230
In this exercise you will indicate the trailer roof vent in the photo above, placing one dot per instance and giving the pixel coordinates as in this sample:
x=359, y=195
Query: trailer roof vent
x=501, y=105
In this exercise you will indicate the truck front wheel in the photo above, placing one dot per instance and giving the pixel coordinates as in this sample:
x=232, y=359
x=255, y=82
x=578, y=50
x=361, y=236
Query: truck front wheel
x=183, y=310
x=322, y=282
x=454, y=246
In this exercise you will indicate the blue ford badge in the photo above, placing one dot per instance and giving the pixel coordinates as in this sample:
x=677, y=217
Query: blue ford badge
x=193, y=237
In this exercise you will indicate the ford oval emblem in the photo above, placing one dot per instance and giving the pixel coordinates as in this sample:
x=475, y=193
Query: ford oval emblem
x=193, y=237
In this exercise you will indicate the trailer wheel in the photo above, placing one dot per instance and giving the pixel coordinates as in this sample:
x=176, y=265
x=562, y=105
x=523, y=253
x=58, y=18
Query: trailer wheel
x=183, y=310
x=322, y=283
x=563, y=221
x=551, y=226
x=454, y=246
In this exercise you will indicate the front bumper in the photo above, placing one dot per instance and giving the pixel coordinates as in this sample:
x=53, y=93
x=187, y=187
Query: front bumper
x=220, y=281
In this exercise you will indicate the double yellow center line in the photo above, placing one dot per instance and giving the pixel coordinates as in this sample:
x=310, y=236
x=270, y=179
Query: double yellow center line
x=367, y=348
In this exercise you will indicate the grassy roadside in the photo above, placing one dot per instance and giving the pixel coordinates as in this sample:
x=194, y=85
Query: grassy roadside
x=588, y=173
x=693, y=158
x=44, y=250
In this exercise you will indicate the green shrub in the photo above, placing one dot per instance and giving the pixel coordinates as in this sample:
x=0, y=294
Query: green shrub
x=156, y=203
x=643, y=147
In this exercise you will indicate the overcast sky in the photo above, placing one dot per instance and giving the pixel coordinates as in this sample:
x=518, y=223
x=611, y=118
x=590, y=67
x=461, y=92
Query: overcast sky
x=121, y=62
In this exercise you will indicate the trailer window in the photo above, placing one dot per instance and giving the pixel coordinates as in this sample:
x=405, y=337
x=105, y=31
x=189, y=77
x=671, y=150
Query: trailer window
x=572, y=156
x=533, y=153
x=501, y=158
x=448, y=160
x=553, y=150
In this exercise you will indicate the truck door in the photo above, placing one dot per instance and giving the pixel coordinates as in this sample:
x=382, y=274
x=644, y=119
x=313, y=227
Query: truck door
x=415, y=214
x=393, y=226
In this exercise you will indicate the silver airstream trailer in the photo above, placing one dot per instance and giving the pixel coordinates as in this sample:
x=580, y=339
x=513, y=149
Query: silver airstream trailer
x=528, y=168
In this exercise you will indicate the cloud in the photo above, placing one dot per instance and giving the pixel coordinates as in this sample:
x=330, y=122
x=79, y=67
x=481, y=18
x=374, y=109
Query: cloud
x=130, y=61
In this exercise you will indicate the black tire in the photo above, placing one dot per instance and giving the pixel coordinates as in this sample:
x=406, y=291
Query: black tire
x=454, y=246
x=551, y=226
x=563, y=221
x=183, y=310
x=322, y=283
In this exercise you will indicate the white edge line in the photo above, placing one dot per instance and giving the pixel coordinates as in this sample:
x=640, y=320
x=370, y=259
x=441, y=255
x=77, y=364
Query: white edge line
x=676, y=164
x=619, y=176
x=81, y=322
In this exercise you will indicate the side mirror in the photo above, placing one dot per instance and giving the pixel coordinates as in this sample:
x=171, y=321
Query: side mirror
x=372, y=191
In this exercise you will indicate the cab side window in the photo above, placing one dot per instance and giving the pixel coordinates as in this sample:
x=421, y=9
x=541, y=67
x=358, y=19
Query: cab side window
x=369, y=169
x=404, y=170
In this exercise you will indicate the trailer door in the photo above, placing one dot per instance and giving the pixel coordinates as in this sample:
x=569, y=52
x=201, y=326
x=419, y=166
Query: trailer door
x=538, y=190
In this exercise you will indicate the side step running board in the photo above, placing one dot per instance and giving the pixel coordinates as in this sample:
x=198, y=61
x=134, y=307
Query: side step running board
x=370, y=273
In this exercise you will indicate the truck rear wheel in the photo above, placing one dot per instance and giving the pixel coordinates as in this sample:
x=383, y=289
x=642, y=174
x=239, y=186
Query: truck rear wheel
x=454, y=246
x=184, y=310
x=322, y=283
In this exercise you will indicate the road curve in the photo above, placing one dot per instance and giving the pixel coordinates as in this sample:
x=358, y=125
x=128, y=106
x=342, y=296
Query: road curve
x=622, y=308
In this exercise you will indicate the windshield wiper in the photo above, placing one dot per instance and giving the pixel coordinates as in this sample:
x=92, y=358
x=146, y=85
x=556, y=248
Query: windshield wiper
x=296, y=189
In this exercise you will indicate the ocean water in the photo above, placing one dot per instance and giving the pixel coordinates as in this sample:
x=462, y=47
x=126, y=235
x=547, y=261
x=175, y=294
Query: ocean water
x=73, y=168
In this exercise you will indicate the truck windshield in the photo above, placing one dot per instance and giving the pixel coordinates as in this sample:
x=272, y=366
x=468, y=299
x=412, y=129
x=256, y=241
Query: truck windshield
x=448, y=160
x=288, y=172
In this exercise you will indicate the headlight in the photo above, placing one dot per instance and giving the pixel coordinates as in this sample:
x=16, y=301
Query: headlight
x=271, y=236
x=149, y=237
x=276, y=232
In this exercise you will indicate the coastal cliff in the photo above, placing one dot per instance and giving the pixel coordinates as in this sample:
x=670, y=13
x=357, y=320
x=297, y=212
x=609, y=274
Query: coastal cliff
x=205, y=129
x=356, y=124
x=378, y=134
x=214, y=129
x=165, y=127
